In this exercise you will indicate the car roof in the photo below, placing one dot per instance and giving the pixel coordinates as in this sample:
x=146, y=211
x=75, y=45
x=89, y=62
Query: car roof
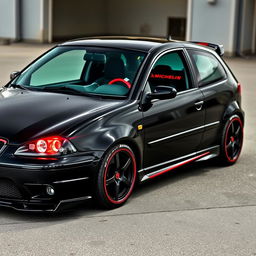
x=124, y=42
x=144, y=44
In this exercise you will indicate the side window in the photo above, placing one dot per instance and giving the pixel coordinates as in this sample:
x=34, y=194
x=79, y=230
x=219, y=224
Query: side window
x=209, y=68
x=170, y=70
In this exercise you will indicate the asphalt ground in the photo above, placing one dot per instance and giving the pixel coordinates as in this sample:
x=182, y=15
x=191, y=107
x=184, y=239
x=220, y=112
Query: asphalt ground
x=201, y=209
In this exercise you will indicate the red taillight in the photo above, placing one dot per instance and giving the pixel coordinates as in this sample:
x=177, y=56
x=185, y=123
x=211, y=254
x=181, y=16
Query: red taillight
x=49, y=145
x=239, y=88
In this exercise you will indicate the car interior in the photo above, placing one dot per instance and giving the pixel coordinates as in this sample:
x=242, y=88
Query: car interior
x=169, y=70
x=101, y=69
x=110, y=72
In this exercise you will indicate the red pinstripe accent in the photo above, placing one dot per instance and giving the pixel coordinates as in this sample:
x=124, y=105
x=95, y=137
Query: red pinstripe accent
x=133, y=180
x=178, y=165
x=226, y=137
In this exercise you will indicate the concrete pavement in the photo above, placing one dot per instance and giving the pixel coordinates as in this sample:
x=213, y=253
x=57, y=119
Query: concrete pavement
x=203, y=209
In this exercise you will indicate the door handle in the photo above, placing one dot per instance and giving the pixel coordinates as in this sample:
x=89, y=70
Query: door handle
x=199, y=105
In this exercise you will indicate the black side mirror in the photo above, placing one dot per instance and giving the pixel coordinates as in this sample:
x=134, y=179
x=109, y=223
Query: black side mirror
x=14, y=74
x=163, y=92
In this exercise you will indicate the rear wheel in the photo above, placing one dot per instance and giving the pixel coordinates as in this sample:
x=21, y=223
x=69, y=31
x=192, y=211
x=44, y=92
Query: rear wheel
x=116, y=177
x=232, y=140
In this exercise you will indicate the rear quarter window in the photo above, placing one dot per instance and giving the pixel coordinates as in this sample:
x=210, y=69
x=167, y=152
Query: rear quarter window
x=208, y=67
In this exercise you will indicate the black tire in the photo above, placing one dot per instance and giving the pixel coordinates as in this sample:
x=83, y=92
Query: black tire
x=231, y=140
x=116, y=177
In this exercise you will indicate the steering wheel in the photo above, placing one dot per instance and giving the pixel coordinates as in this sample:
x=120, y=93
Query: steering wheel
x=127, y=84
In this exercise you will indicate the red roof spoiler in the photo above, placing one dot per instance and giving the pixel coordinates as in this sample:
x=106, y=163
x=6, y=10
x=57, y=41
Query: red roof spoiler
x=218, y=48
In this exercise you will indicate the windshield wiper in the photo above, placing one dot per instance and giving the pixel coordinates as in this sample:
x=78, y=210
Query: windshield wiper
x=18, y=86
x=61, y=89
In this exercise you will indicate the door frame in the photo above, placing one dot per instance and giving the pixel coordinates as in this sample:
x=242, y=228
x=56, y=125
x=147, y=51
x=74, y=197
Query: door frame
x=254, y=30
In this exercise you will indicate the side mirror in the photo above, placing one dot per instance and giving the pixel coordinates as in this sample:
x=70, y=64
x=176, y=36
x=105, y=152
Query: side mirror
x=14, y=74
x=163, y=92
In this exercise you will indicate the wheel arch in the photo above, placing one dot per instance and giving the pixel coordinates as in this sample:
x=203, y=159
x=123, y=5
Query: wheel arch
x=138, y=150
x=233, y=109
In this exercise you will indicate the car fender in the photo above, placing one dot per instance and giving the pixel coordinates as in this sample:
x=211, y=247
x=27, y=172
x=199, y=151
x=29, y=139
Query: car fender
x=118, y=128
x=233, y=109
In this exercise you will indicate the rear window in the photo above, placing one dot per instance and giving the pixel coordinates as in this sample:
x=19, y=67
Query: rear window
x=208, y=67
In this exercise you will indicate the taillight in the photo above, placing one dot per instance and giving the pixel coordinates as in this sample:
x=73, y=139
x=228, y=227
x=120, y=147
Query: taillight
x=48, y=146
x=239, y=88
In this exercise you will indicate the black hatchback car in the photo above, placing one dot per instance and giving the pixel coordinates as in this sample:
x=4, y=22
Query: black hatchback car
x=90, y=117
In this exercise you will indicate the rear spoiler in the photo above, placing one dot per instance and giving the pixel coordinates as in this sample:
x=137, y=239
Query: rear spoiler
x=218, y=48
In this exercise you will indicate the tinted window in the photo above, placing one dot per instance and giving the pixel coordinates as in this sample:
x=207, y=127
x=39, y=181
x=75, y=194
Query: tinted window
x=208, y=67
x=170, y=70
x=83, y=70
x=67, y=66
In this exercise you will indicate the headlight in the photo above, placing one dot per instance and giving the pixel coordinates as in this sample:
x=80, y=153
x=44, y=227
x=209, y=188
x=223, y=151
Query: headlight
x=49, y=146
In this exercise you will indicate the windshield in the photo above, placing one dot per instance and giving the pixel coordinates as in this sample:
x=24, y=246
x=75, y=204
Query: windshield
x=85, y=70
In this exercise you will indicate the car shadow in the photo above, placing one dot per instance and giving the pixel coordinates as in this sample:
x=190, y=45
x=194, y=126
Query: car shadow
x=194, y=169
x=89, y=208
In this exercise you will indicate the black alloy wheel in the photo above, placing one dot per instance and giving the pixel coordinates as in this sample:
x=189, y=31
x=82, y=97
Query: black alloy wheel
x=117, y=176
x=232, y=140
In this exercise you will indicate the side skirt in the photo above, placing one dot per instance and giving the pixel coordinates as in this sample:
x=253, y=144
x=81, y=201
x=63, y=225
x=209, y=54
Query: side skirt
x=202, y=155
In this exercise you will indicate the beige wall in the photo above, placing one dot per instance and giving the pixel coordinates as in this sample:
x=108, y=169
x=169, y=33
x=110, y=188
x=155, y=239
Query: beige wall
x=148, y=17
x=78, y=18
x=143, y=16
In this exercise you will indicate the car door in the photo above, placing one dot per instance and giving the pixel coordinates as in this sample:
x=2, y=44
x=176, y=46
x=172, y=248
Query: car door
x=212, y=81
x=173, y=127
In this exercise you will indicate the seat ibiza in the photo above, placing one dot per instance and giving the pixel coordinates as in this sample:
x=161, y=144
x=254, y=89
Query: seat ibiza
x=91, y=117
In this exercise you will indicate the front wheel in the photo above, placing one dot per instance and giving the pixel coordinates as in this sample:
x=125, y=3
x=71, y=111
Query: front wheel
x=116, y=177
x=232, y=140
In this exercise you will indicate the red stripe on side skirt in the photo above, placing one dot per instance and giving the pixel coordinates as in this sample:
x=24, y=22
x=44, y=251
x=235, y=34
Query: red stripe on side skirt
x=178, y=165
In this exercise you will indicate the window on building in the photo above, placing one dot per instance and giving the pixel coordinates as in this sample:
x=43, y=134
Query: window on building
x=177, y=28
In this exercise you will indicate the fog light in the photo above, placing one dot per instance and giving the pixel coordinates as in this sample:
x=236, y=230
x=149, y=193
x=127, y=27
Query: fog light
x=50, y=191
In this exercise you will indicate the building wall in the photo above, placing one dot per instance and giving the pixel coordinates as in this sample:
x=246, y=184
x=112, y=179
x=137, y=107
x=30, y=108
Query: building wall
x=143, y=16
x=81, y=18
x=228, y=22
x=8, y=19
x=214, y=22
x=247, y=26
x=254, y=30
x=31, y=20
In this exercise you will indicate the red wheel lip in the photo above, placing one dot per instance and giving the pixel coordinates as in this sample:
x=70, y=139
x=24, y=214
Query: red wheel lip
x=226, y=135
x=133, y=181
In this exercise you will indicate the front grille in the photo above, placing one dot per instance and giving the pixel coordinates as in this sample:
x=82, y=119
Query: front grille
x=9, y=190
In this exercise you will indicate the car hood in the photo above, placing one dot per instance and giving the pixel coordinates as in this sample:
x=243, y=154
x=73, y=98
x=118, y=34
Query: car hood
x=25, y=114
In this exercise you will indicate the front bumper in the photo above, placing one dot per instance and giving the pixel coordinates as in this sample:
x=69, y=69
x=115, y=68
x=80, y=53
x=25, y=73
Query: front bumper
x=24, y=186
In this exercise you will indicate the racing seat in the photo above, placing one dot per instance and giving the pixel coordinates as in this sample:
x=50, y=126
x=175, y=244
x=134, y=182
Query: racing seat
x=164, y=75
x=114, y=68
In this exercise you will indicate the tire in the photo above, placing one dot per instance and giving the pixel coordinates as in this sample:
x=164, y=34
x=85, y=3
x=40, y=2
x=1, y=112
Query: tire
x=231, y=140
x=116, y=177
